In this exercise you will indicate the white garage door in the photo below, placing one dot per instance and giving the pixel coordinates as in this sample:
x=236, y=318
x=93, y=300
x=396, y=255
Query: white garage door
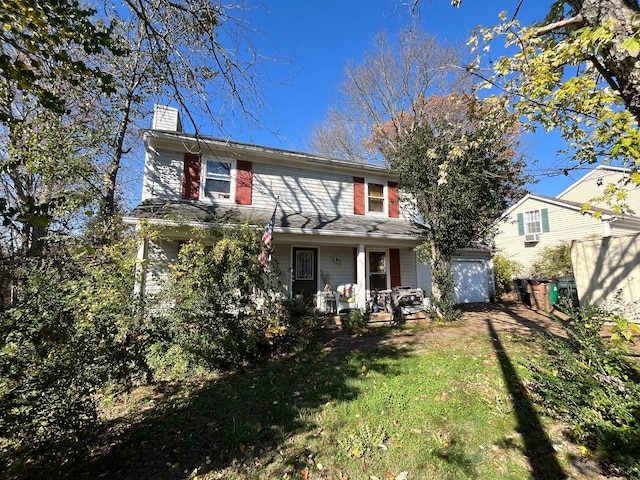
x=471, y=281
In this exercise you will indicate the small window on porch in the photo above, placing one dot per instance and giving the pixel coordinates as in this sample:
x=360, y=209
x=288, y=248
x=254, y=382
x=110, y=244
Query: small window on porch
x=378, y=270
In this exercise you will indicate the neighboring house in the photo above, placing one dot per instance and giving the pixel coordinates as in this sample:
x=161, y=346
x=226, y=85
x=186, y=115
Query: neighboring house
x=608, y=270
x=538, y=221
x=337, y=222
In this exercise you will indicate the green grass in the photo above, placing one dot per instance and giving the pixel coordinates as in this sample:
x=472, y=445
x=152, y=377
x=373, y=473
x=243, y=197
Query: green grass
x=444, y=411
x=440, y=414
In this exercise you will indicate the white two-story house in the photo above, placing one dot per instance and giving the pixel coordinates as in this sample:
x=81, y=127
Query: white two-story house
x=337, y=222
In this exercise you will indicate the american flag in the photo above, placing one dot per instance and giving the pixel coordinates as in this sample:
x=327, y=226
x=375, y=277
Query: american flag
x=267, y=238
x=268, y=233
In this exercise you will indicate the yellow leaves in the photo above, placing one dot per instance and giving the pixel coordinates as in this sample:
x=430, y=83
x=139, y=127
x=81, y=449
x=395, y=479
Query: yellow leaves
x=442, y=173
x=632, y=44
x=502, y=66
x=584, y=451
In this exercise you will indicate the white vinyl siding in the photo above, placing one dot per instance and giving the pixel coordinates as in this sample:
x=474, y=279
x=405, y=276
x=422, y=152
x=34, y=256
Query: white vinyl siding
x=409, y=268
x=302, y=190
x=163, y=174
x=309, y=191
x=571, y=226
x=160, y=255
x=593, y=185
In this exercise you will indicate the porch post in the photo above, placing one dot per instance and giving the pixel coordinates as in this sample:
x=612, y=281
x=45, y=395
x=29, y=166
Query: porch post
x=139, y=287
x=361, y=277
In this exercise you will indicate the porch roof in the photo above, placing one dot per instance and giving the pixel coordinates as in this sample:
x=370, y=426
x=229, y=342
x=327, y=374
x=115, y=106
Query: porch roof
x=198, y=213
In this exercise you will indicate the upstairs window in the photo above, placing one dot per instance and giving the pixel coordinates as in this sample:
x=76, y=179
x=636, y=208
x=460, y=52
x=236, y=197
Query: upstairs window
x=217, y=184
x=375, y=196
x=532, y=222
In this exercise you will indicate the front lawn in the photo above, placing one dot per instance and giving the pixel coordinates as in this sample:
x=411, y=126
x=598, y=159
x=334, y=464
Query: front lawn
x=456, y=408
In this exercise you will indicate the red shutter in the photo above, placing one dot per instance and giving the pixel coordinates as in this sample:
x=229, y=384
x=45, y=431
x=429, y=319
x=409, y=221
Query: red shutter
x=244, y=182
x=394, y=267
x=394, y=205
x=191, y=177
x=358, y=196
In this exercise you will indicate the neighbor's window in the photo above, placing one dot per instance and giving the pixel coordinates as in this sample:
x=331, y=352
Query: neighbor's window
x=217, y=179
x=532, y=222
x=375, y=196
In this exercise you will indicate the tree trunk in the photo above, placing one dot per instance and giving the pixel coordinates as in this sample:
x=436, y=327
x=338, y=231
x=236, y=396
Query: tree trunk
x=621, y=66
x=108, y=197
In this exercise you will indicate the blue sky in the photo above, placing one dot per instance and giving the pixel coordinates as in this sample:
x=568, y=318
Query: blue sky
x=320, y=36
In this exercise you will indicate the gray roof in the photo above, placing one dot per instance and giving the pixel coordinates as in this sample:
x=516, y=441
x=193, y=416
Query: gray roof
x=286, y=221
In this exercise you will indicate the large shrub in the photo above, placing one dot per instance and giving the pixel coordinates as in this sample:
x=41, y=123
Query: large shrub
x=553, y=262
x=505, y=271
x=220, y=306
x=73, y=327
x=585, y=380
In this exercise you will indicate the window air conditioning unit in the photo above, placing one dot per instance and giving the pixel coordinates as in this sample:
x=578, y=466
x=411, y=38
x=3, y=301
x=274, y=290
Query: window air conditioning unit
x=532, y=237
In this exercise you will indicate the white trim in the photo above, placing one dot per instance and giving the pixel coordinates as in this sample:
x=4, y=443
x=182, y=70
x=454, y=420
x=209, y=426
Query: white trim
x=203, y=179
x=385, y=197
x=589, y=174
x=552, y=201
x=361, y=276
x=387, y=266
x=532, y=221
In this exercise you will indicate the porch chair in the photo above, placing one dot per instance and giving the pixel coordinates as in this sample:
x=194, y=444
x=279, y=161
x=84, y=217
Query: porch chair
x=346, y=297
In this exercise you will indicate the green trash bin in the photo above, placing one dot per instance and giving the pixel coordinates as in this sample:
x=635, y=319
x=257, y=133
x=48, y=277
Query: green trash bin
x=553, y=294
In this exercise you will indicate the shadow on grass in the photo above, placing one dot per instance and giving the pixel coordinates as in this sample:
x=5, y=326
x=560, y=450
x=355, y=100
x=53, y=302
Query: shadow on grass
x=244, y=421
x=537, y=446
x=236, y=424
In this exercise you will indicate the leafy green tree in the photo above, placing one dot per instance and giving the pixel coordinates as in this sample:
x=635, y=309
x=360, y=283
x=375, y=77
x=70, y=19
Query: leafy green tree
x=101, y=72
x=37, y=38
x=72, y=328
x=576, y=73
x=553, y=262
x=46, y=174
x=198, y=54
x=456, y=160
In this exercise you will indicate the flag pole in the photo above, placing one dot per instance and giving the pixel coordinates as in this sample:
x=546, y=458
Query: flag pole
x=267, y=238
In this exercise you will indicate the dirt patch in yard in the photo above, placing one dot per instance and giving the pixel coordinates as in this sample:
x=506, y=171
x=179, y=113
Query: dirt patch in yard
x=476, y=319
